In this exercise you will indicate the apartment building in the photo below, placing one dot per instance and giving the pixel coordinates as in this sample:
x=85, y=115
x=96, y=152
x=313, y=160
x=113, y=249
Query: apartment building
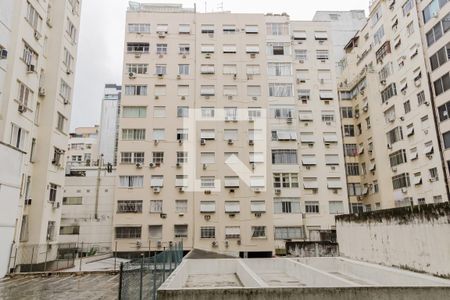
x=38, y=45
x=434, y=17
x=229, y=132
x=82, y=149
x=87, y=207
x=388, y=121
x=109, y=123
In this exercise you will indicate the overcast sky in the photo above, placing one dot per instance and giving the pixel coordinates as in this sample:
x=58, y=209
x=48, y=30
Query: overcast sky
x=102, y=35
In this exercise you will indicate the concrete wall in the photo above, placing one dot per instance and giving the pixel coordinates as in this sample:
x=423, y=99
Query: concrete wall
x=10, y=170
x=415, y=238
x=383, y=293
x=312, y=249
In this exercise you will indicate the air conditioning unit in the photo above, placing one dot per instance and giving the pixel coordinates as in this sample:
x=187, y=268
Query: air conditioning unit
x=156, y=97
x=205, y=166
x=42, y=92
x=163, y=216
x=3, y=54
x=131, y=75
x=183, y=97
x=383, y=82
x=404, y=190
x=258, y=215
x=202, y=142
x=277, y=191
x=365, y=108
x=208, y=55
x=207, y=217
x=178, y=165
x=178, y=76
x=138, y=166
x=427, y=103
x=230, y=142
x=181, y=189
x=289, y=120
x=156, y=142
x=230, y=97
x=328, y=123
x=254, y=98
x=160, y=76
x=252, y=55
x=156, y=189
x=433, y=179
x=389, y=146
x=214, y=244
x=207, y=192
x=55, y=205
x=250, y=119
x=231, y=190
x=152, y=165
x=257, y=190
x=28, y=201
x=22, y=108
x=251, y=143
x=68, y=71
x=301, y=61
x=138, y=244
x=37, y=35
x=159, y=244
x=161, y=35
x=435, y=14
x=31, y=68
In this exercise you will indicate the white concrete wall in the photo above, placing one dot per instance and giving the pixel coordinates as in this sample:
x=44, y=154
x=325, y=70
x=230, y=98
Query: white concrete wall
x=416, y=244
x=10, y=170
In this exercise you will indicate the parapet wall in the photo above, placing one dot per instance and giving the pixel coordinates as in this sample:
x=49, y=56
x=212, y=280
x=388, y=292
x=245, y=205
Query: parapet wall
x=415, y=238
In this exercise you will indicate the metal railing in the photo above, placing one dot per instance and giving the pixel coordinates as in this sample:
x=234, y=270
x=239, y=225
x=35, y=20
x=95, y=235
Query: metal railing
x=141, y=278
x=55, y=257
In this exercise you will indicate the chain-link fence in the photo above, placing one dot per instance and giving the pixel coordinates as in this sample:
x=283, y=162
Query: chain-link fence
x=141, y=278
x=59, y=257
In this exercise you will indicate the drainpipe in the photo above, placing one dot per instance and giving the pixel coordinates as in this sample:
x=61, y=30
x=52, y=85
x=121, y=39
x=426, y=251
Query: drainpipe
x=97, y=188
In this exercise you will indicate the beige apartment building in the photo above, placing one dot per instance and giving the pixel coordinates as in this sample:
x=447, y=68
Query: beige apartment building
x=82, y=149
x=388, y=120
x=229, y=132
x=38, y=54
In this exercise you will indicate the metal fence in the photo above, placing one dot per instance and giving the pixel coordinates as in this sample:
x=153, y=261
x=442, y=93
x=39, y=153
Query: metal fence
x=57, y=257
x=141, y=278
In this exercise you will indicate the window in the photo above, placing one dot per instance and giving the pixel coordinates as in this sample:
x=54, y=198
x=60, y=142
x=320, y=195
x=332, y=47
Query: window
x=322, y=54
x=207, y=157
x=406, y=8
x=138, y=47
x=334, y=183
x=253, y=90
x=395, y=135
x=71, y=30
x=280, y=90
x=378, y=35
x=232, y=207
x=257, y=182
x=284, y=135
x=155, y=232
x=332, y=159
x=208, y=134
x=232, y=232
x=183, y=69
x=384, y=50
x=229, y=29
x=207, y=28
x=289, y=233
x=349, y=130
x=398, y=158
x=279, y=69
x=231, y=182
x=207, y=90
x=300, y=35
x=410, y=28
x=207, y=112
x=312, y=207
x=229, y=48
x=184, y=28
x=327, y=116
x=285, y=180
x=182, y=134
x=181, y=206
x=388, y=92
x=321, y=35
x=158, y=157
x=160, y=70
x=183, y=90
x=131, y=181
x=128, y=232
x=230, y=134
x=137, y=68
x=72, y=201
x=52, y=193
x=33, y=18
x=138, y=28
x=352, y=169
x=252, y=70
x=301, y=54
x=182, y=111
x=159, y=134
x=434, y=175
x=230, y=90
x=281, y=112
x=207, y=48
x=134, y=112
x=400, y=181
x=277, y=28
x=133, y=134
x=252, y=49
x=446, y=138
x=136, y=90
x=207, y=232
x=207, y=182
x=159, y=112
x=161, y=49
x=229, y=69
x=184, y=49
x=286, y=206
x=65, y=91
x=18, y=137
x=347, y=112
x=435, y=33
x=407, y=106
x=284, y=157
x=336, y=207
x=180, y=231
x=51, y=230
x=354, y=189
x=258, y=206
x=156, y=206
x=258, y=231
x=278, y=49
x=132, y=157
x=129, y=206
x=440, y=57
x=251, y=29
x=58, y=155
x=442, y=84
x=182, y=157
x=350, y=150
x=304, y=95
x=432, y=9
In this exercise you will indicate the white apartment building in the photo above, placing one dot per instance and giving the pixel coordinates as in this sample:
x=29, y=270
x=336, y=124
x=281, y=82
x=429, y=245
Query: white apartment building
x=388, y=121
x=109, y=123
x=38, y=44
x=82, y=149
x=87, y=207
x=435, y=16
x=229, y=132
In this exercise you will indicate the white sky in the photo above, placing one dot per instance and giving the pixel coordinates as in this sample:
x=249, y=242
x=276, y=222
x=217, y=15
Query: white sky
x=100, y=47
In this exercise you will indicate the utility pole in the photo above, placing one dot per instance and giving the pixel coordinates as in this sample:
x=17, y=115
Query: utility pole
x=97, y=189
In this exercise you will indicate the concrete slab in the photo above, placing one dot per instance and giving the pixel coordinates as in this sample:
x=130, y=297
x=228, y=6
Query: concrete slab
x=213, y=281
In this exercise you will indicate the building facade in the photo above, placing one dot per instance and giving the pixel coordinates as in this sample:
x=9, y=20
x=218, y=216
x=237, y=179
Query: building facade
x=87, y=207
x=229, y=132
x=38, y=43
x=388, y=118
x=82, y=147
x=109, y=123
